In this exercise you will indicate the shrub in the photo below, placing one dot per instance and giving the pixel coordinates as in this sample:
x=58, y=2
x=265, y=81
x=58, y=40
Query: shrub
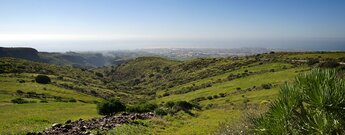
x=161, y=112
x=43, y=79
x=72, y=100
x=183, y=105
x=312, y=61
x=19, y=101
x=59, y=77
x=44, y=101
x=166, y=94
x=169, y=104
x=313, y=104
x=143, y=107
x=329, y=64
x=99, y=74
x=110, y=106
x=215, y=96
x=209, y=97
x=19, y=92
x=266, y=86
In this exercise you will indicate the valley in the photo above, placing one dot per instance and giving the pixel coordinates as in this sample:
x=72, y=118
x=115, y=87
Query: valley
x=223, y=91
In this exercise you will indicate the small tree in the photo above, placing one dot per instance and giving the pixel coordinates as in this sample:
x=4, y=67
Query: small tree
x=43, y=79
x=110, y=106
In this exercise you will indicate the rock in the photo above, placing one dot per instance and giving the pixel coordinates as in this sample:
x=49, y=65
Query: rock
x=81, y=126
x=68, y=121
x=55, y=125
x=67, y=126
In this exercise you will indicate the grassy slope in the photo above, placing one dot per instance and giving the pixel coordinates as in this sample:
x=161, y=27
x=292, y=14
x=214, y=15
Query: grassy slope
x=37, y=116
x=226, y=87
x=9, y=86
x=21, y=118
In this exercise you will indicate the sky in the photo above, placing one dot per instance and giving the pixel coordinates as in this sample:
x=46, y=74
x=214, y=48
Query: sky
x=86, y=25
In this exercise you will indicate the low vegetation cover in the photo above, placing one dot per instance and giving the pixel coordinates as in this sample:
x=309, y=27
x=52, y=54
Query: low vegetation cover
x=195, y=96
x=110, y=106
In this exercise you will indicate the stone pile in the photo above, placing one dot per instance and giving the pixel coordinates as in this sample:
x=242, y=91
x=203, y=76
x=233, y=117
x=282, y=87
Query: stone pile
x=83, y=127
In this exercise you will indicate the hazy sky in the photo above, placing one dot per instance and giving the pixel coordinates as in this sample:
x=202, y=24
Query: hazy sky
x=62, y=25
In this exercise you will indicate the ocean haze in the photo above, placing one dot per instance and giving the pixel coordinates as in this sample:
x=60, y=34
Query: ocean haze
x=309, y=44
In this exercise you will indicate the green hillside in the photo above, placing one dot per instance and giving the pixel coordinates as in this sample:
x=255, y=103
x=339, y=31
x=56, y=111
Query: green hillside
x=223, y=90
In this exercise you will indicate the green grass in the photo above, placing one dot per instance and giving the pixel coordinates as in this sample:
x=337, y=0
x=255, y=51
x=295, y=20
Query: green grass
x=333, y=55
x=253, y=68
x=9, y=86
x=226, y=87
x=183, y=124
x=21, y=118
x=253, y=96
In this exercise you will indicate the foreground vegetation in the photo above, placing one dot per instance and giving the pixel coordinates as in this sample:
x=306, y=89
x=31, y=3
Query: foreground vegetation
x=191, y=97
x=313, y=104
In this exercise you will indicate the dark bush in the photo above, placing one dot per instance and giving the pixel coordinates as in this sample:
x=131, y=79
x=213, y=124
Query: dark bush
x=99, y=74
x=143, y=107
x=166, y=94
x=21, y=81
x=59, y=77
x=209, y=97
x=44, y=101
x=198, y=99
x=215, y=96
x=19, y=101
x=221, y=94
x=19, y=92
x=169, y=104
x=72, y=100
x=312, y=61
x=266, y=86
x=43, y=79
x=110, y=106
x=183, y=105
x=160, y=112
x=329, y=64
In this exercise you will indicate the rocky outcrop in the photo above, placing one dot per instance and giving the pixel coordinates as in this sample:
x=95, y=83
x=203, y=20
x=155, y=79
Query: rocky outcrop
x=82, y=127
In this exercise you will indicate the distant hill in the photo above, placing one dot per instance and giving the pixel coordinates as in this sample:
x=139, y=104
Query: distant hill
x=82, y=60
x=22, y=53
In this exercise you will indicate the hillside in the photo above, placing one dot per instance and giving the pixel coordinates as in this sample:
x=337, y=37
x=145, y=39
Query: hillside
x=81, y=60
x=23, y=53
x=223, y=90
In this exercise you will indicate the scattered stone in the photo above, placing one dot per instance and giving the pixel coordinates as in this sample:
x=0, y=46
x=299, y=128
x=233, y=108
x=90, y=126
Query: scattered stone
x=83, y=127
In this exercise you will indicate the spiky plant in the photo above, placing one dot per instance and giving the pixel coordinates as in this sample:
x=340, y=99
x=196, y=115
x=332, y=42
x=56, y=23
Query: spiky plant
x=313, y=104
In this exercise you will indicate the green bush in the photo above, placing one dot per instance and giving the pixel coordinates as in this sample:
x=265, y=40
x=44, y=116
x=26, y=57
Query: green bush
x=19, y=101
x=183, y=105
x=143, y=107
x=160, y=112
x=43, y=79
x=110, y=106
x=169, y=104
x=313, y=104
x=266, y=86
